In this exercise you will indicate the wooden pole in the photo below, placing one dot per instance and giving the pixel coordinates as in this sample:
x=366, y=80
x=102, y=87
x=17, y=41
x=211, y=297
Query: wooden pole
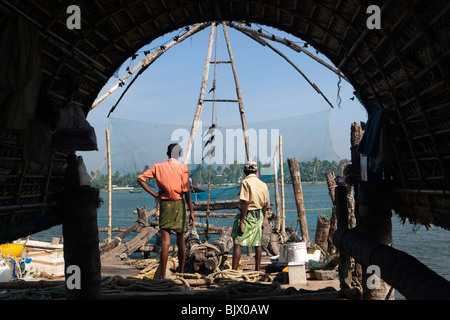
x=264, y=43
x=298, y=193
x=80, y=232
x=240, y=102
x=322, y=231
x=149, y=60
x=108, y=151
x=345, y=268
x=275, y=186
x=283, y=215
x=331, y=183
x=238, y=92
x=198, y=112
x=291, y=44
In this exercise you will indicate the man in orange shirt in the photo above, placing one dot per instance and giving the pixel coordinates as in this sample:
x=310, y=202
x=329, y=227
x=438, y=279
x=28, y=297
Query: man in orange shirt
x=172, y=179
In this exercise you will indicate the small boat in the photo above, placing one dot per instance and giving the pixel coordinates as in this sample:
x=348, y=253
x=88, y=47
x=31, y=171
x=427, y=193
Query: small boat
x=135, y=191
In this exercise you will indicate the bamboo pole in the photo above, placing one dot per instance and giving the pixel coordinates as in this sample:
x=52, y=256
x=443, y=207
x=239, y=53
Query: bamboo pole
x=149, y=60
x=198, y=112
x=283, y=215
x=108, y=151
x=241, y=103
x=313, y=85
x=264, y=43
x=291, y=44
x=275, y=186
x=298, y=193
x=238, y=92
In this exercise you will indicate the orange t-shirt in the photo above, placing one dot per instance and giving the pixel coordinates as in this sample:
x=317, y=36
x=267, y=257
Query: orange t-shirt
x=172, y=177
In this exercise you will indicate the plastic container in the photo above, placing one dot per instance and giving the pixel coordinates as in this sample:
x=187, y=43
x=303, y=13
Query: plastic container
x=313, y=254
x=293, y=252
x=297, y=252
x=13, y=249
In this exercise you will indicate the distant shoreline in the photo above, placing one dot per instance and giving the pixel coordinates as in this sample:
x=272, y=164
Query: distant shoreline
x=220, y=187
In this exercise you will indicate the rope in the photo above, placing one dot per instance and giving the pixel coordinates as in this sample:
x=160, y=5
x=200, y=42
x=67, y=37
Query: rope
x=99, y=169
x=230, y=283
x=145, y=284
x=149, y=270
x=243, y=289
x=236, y=275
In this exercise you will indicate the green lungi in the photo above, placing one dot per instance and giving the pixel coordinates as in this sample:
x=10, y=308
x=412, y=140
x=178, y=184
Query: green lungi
x=252, y=227
x=172, y=215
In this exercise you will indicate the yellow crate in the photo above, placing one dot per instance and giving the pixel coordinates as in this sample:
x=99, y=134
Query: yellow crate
x=13, y=249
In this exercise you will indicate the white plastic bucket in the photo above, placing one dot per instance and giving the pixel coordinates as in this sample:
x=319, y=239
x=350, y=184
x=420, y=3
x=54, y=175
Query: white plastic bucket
x=293, y=252
x=297, y=252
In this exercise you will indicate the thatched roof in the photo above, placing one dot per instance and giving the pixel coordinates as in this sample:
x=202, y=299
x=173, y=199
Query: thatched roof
x=404, y=67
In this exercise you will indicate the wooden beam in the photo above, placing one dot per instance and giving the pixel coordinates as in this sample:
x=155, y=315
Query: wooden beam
x=298, y=193
x=130, y=246
x=290, y=44
x=149, y=60
x=239, y=94
x=199, y=109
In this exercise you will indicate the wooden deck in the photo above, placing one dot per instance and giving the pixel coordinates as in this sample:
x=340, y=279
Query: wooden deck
x=312, y=290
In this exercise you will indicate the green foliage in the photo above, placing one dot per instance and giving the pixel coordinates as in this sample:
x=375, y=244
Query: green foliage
x=311, y=171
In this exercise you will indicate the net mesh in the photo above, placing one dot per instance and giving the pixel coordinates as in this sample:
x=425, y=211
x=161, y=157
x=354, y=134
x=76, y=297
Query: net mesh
x=137, y=145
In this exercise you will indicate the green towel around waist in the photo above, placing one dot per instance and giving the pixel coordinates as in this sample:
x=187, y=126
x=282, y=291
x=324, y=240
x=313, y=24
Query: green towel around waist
x=252, y=226
x=172, y=215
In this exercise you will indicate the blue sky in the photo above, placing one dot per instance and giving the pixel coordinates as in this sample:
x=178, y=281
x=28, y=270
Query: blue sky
x=169, y=89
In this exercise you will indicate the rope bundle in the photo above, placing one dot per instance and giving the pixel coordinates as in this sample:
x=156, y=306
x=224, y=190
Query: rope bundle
x=134, y=284
x=236, y=275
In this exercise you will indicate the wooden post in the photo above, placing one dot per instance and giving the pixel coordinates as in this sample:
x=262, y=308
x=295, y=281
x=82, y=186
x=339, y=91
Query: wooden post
x=322, y=231
x=108, y=151
x=238, y=92
x=331, y=182
x=241, y=104
x=277, y=194
x=375, y=223
x=345, y=269
x=198, y=112
x=283, y=214
x=356, y=134
x=298, y=193
x=80, y=231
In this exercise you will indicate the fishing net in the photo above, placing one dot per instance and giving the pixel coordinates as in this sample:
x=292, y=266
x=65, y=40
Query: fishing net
x=217, y=154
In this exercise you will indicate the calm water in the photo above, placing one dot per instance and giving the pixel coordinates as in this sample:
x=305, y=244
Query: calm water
x=431, y=247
